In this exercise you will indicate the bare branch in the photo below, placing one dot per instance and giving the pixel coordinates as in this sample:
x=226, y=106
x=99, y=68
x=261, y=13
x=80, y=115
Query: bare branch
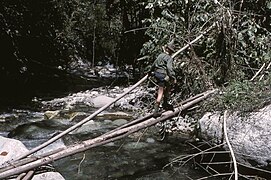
x=258, y=72
x=229, y=145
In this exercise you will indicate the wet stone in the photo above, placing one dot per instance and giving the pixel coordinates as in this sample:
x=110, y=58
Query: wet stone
x=135, y=145
x=8, y=117
x=150, y=140
x=120, y=122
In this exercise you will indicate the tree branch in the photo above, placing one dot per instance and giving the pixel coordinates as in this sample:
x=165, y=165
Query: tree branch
x=230, y=147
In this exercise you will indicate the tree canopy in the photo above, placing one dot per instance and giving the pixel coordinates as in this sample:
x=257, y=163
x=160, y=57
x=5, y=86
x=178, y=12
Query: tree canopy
x=41, y=39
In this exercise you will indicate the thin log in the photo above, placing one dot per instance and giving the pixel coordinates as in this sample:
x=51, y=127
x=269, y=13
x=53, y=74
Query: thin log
x=230, y=147
x=215, y=175
x=17, y=163
x=101, y=140
x=268, y=66
x=10, y=165
x=195, y=40
x=258, y=72
x=20, y=176
x=192, y=98
x=29, y=175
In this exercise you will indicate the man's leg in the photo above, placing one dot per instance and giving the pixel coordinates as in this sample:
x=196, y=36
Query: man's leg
x=158, y=100
x=160, y=94
x=166, y=105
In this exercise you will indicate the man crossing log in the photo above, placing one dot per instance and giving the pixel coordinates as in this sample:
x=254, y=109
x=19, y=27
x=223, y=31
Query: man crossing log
x=162, y=70
x=6, y=174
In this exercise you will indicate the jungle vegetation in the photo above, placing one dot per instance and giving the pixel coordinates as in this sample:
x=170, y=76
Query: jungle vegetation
x=41, y=40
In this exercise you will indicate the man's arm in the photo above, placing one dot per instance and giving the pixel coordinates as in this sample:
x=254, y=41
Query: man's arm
x=170, y=70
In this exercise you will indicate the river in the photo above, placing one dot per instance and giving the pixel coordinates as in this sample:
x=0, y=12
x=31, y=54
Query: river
x=140, y=156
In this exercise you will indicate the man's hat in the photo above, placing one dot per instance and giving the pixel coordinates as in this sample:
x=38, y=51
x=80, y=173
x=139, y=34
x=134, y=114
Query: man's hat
x=171, y=46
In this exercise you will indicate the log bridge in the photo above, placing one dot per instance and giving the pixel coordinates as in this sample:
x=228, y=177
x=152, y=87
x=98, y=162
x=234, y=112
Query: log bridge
x=26, y=163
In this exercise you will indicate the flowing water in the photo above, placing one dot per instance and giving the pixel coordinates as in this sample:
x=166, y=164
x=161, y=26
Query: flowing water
x=139, y=156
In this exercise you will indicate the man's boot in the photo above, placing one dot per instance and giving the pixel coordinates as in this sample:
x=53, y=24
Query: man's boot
x=167, y=106
x=156, y=112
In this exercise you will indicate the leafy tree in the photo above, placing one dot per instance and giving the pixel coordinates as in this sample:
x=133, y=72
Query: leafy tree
x=234, y=50
x=30, y=54
x=41, y=40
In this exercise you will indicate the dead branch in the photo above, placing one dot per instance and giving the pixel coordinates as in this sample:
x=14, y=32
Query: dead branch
x=258, y=72
x=29, y=175
x=230, y=147
x=195, y=40
x=254, y=168
x=268, y=66
x=186, y=158
x=216, y=175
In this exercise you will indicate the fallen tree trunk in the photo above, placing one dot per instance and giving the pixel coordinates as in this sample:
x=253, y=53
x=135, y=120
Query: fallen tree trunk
x=101, y=140
x=248, y=133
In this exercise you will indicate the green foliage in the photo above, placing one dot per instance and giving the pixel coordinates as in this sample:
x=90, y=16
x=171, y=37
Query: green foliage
x=243, y=96
x=87, y=33
x=232, y=51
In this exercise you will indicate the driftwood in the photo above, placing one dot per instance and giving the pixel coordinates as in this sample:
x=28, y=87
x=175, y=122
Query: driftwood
x=258, y=72
x=98, y=141
x=230, y=147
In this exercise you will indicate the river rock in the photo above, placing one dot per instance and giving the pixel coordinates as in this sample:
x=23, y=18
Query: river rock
x=48, y=176
x=249, y=134
x=88, y=127
x=135, y=145
x=10, y=148
x=8, y=117
x=120, y=122
x=102, y=100
x=51, y=114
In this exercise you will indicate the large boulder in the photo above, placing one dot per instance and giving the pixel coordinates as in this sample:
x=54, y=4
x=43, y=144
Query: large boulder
x=96, y=98
x=249, y=134
x=10, y=148
x=48, y=176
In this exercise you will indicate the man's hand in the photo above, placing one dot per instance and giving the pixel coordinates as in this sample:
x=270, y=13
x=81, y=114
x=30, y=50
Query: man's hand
x=167, y=78
x=150, y=73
